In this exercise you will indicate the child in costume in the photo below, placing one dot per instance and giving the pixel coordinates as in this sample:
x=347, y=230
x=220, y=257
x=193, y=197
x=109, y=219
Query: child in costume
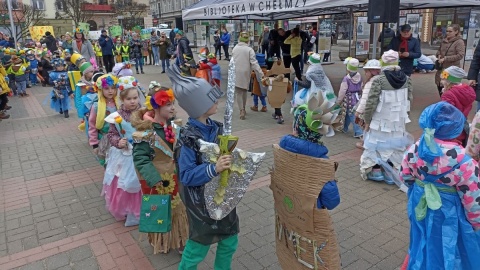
x=372, y=69
x=61, y=93
x=33, y=65
x=199, y=99
x=106, y=88
x=121, y=186
x=153, y=156
x=125, y=51
x=349, y=94
x=84, y=87
x=443, y=194
x=122, y=69
x=18, y=68
x=385, y=116
x=459, y=95
x=289, y=179
x=4, y=92
x=46, y=67
x=259, y=91
x=204, y=70
x=215, y=67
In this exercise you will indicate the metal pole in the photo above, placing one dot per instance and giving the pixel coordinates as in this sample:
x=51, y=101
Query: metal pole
x=374, y=55
x=350, y=34
x=12, y=24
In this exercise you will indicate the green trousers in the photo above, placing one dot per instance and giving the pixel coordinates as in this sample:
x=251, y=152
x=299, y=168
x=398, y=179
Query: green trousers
x=194, y=253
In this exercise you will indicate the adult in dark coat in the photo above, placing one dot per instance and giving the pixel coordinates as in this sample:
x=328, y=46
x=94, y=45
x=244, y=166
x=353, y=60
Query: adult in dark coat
x=473, y=75
x=407, y=47
x=107, y=50
x=183, y=48
x=50, y=41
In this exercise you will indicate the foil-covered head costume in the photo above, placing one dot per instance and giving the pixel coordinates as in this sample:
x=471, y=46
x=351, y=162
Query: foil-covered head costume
x=196, y=96
x=129, y=82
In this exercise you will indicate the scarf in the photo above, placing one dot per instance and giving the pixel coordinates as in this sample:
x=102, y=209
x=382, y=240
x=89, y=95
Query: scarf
x=403, y=44
x=79, y=44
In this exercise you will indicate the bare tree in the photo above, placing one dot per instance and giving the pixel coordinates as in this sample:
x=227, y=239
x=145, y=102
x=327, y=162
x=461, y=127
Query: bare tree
x=23, y=17
x=132, y=12
x=73, y=9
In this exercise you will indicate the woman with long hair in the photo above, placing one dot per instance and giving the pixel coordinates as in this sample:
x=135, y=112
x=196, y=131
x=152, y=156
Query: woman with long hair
x=82, y=45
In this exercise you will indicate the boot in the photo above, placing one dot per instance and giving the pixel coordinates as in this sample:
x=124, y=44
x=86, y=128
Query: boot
x=61, y=111
x=264, y=109
x=4, y=115
x=242, y=114
x=254, y=108
x=66, y=114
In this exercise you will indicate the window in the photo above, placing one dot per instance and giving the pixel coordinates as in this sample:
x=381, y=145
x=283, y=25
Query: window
x=59, y=5
x=38, y=4
x=14, y=4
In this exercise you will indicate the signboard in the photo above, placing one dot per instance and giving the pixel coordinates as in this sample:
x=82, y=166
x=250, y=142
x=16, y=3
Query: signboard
x=95, y=35
x=201, y=31
x=37, y=32
x=115, y=30
x=362, y=43
x=473, y=34
x=325, y=36
x=145, y=33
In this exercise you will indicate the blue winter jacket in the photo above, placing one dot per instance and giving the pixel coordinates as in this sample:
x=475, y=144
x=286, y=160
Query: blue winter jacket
x=329, y=196
x=107, y=46
x=225, y=38
x=414, y=51
x=190, y=173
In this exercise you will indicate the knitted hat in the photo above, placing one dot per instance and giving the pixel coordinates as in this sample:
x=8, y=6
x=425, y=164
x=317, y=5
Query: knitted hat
x=127, y=82
x=372, y=64
x=244, y=36
x=196, y=96
x=352, y=64
x=453, y=74
x=179, y=32
x=85, y=67
x=122, y=69
x=389, y=58
x=203, y=54
x=314, y=58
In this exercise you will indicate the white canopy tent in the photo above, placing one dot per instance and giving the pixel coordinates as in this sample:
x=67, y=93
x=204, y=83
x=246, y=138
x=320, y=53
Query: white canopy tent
x=288, y=9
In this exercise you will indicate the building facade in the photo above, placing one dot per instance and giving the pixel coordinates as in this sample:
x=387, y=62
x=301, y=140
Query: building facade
x=169, y=11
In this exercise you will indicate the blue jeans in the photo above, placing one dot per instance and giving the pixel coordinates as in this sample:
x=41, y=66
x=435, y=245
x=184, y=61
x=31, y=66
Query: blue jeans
x=156, y=54
x=262, y=99
x=350, y=118
x=21, y=87
x=139, y=62
x=165, y=62
x=33, y=78
x=426, y=67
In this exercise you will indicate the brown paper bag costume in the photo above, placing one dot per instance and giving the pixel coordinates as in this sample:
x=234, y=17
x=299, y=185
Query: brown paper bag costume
x=278, y=92
x=305, y=238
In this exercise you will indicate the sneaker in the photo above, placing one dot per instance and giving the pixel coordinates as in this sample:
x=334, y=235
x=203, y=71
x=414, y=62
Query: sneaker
x=163, y=71
x=26, y=95
x=358, y=136
x=8, y=107
x=61, y=111
x=280, y=120
x=143, y=72
x=274, y=116
x=388, y=180
x=137, y=72
x=423, y=71
x=376, y=175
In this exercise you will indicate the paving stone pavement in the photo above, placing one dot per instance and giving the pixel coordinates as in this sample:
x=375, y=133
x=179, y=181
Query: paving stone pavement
x=52, y=215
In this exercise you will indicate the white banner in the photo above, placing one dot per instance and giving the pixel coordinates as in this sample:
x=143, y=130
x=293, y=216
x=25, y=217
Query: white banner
x=223, y=9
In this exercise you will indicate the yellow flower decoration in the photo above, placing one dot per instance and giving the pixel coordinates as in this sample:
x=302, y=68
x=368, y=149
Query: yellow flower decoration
x=175, y=200
x=118, y=119
x=168, y=184
x=147, y=103
x=444, y=75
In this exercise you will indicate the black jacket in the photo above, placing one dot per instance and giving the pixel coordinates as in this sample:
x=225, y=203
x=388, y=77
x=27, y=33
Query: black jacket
x=414, y=51
x=172, y=36
x=473, y=72
x=184, y=49
x=51, y=43
x=135, y=49
x=285, y=47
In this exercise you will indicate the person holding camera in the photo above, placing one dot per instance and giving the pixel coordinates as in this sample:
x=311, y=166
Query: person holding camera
x=407, y=47
x=136, y=52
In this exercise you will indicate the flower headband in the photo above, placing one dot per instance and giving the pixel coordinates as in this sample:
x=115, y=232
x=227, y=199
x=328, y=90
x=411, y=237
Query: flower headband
x=127, y=82
x=160, y=98
x=105, y=82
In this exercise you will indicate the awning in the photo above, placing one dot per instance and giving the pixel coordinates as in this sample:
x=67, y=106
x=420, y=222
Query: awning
x=287, y=9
